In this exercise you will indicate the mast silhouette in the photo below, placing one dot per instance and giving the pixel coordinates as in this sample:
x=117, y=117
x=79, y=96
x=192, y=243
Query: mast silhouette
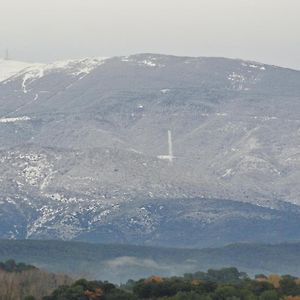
x=6, y=56
x=170, y=155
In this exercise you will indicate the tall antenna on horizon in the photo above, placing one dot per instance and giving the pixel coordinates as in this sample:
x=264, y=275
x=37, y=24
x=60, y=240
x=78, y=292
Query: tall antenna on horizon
x=170, y=155
x=6, y=56
x=170, y=144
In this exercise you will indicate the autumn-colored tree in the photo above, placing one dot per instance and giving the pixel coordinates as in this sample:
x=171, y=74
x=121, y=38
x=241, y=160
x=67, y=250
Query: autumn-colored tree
x=297, y=280
x=275, y=280
x=155, y=278
x=197, y=282
x=95, y=294
x=291, y=298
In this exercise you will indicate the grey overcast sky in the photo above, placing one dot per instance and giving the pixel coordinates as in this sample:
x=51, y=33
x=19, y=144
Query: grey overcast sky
x=47, y=30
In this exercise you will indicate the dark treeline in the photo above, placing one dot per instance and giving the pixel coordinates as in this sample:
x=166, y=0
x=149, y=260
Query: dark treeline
x=29, y=283
x=224, y=284
x=11, y=266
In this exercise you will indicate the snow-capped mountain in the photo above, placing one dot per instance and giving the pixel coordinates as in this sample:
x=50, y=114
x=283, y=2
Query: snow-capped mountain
x=82, y=143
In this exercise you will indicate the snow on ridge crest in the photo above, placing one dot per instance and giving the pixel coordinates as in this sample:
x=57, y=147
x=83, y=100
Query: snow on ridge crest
x=149, y=61
x=76, y=66
x=9, y=68
x=73, y=67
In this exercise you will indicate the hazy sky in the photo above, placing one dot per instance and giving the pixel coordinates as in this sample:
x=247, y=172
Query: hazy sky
x=46, y=30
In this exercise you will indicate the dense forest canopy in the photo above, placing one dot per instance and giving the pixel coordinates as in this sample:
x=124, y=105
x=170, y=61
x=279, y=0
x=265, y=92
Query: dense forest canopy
x=224, y=284
x=25, y=282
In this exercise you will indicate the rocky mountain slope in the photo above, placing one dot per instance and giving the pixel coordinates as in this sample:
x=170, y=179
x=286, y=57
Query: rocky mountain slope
x=81, y=144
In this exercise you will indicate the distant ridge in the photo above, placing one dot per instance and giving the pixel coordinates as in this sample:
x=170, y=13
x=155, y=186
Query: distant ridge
x=121, y=262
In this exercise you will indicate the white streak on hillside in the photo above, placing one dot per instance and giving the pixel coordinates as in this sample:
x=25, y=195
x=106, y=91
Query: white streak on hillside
x=14, y=120
x=75, y=68
x=31, y=76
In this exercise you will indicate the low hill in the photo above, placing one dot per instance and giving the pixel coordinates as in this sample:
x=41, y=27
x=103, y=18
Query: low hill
x=117, y=263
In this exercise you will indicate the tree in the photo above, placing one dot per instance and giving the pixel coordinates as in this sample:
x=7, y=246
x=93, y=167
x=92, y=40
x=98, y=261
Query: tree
x=225, y=292
x=288, y=286
x=29, y=298
x=269, y=295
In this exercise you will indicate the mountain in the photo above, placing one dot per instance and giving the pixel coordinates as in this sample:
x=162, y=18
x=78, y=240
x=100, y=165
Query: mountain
x=82, y=145
x=118, y=263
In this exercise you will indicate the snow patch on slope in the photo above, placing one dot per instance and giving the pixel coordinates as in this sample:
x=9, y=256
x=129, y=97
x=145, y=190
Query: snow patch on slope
x=237, y=80
x=14, y=120
x=255, y=66
x=149, y=61
x=31, y=76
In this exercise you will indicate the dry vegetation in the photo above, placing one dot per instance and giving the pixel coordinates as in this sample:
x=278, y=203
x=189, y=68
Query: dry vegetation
x=36, y=283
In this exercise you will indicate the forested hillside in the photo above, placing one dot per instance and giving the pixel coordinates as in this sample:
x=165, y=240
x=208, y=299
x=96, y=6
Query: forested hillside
x=223, y=284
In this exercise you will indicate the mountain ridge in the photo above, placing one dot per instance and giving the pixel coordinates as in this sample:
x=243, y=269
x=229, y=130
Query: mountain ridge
x=118, y=263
